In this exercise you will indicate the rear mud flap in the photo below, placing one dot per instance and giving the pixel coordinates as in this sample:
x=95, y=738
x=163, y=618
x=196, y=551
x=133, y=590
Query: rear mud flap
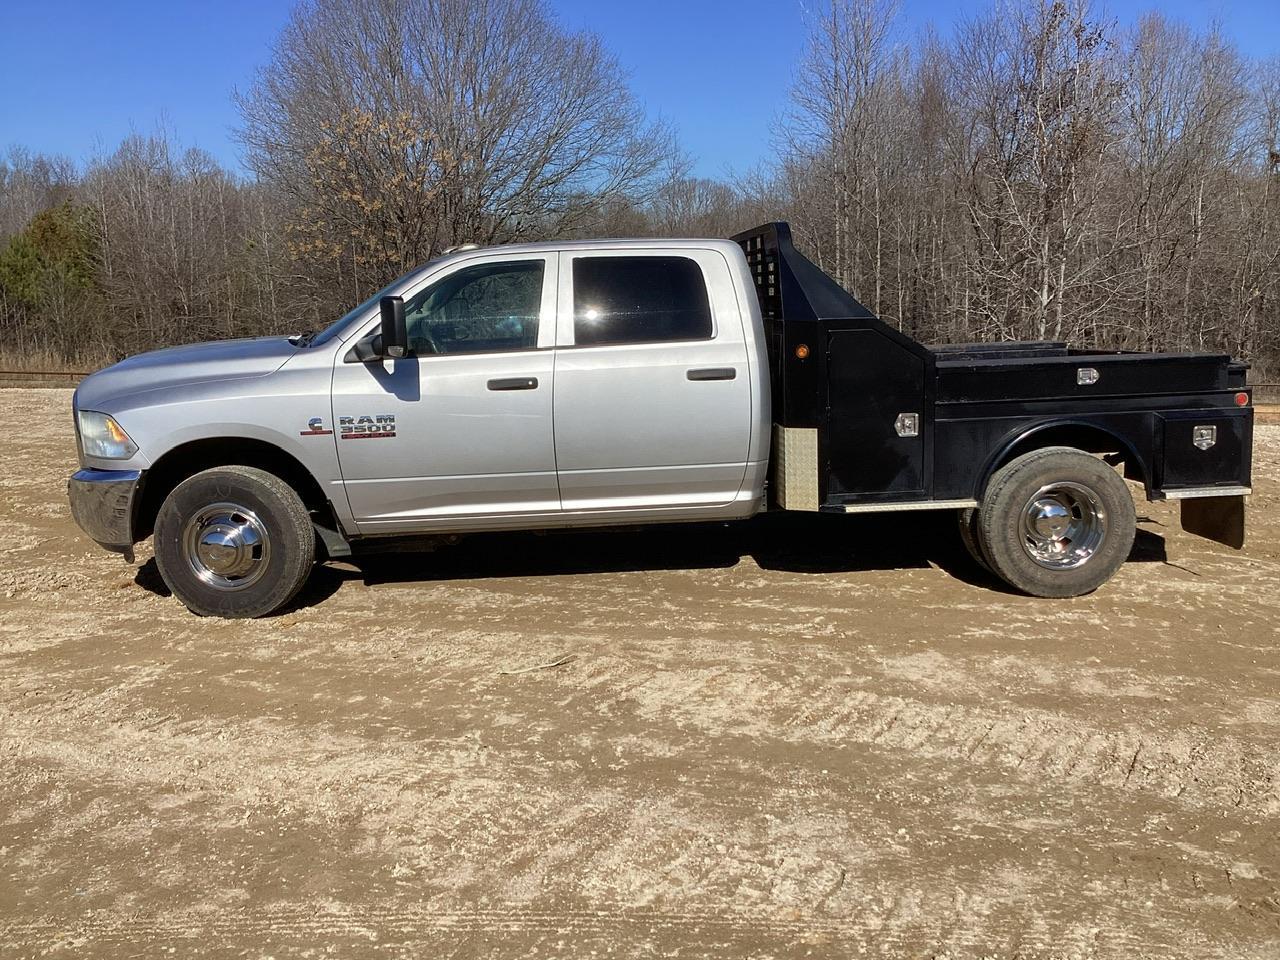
x=1220, y=519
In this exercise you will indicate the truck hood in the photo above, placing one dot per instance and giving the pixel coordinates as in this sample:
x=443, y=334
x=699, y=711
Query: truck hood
x=183, y=366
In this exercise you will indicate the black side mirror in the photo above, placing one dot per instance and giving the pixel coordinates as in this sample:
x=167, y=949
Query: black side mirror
x=395, y=335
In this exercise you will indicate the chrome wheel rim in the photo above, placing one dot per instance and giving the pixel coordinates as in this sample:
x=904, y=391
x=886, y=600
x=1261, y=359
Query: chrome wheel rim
x=1063, y=525
x=226, y=546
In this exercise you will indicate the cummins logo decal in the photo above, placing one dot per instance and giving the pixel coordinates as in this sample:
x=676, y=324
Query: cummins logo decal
x=315, y=428
x=367, y=428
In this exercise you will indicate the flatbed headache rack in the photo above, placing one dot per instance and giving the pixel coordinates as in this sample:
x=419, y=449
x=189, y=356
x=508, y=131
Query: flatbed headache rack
x=851, y=395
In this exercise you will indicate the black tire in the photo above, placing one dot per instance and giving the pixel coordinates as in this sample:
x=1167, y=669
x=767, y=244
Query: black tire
x=1056, y=522
x=967, y=522
x=234, y=542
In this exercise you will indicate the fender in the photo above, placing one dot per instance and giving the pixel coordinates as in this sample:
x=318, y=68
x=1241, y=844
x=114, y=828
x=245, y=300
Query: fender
x=185, y=454
x=1070, y=433
x=315, y=452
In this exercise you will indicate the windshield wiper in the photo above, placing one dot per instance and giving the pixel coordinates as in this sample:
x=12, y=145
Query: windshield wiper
x=303, y=339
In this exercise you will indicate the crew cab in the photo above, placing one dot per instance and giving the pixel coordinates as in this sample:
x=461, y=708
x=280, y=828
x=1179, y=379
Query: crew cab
x=619, y=382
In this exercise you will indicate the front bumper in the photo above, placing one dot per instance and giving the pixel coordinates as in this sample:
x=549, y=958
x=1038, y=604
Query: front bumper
x=103, y=504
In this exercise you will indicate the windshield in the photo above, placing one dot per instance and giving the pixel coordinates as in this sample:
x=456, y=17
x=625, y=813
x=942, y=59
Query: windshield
x=331, y=331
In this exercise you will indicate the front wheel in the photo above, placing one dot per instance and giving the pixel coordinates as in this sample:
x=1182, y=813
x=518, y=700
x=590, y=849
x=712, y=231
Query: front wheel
x=1056, y=522
x=234, y=542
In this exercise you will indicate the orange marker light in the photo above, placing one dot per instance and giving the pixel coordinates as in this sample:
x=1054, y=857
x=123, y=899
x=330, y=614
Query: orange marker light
x=117, y=435
x=802, y=351
x=1242, y=399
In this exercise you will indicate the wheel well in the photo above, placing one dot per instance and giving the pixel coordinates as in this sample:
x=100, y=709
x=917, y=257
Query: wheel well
x=188, y=459
x=1082, y=436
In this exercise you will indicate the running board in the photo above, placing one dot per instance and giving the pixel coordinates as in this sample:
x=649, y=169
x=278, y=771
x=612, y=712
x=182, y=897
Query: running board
x=911, y=505
x=1188, y=493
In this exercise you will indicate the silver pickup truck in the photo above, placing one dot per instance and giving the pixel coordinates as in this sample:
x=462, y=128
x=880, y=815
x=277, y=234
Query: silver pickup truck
x=628, y=382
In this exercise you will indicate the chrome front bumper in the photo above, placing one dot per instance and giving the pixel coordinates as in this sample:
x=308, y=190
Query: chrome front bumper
x=102, y=503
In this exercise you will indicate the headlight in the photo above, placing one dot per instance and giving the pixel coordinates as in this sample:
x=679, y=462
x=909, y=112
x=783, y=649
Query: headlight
x=101, y=436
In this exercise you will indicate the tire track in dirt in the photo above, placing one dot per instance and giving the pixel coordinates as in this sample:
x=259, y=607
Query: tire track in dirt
x=905, y=923
x=1192, y=766
x=272, y=766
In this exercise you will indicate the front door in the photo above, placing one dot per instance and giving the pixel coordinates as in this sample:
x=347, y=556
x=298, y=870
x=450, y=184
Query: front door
x=653, y=389
x=462, y=427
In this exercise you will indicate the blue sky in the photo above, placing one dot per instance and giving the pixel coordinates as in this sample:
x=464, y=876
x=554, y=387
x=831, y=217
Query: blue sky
x=75, y=77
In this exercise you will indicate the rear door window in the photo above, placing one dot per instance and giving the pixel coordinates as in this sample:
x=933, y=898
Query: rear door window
x=639, y=300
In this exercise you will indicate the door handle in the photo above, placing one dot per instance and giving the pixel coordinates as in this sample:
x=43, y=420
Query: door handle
x=514, y=383
x=712, y=373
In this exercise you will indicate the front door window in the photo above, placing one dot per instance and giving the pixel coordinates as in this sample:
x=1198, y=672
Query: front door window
x=488, y=308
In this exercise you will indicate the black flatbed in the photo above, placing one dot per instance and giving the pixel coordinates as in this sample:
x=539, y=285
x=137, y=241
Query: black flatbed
x=899, y=424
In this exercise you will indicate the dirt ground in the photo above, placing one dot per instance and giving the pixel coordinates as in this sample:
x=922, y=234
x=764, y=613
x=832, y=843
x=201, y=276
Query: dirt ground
x=797, y=737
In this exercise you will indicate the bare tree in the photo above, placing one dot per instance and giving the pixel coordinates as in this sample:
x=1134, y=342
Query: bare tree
x=181, y=246
x=1041, y=96
x=841, y=132
x=695, y=207
x=395, y=128
x=29, y=184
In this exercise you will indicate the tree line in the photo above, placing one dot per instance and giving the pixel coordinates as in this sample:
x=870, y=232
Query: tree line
x=1040, y=173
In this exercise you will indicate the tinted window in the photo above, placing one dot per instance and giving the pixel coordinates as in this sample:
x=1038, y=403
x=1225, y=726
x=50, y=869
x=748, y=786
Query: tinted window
x=481, y=309
x=639, y=299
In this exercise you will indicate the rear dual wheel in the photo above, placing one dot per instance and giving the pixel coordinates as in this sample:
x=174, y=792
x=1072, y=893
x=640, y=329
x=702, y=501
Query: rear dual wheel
x=1056, y=522
x=967, y=521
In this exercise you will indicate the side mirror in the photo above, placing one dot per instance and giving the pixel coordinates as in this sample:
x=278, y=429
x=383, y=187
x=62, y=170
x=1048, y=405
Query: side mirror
x=395, y=335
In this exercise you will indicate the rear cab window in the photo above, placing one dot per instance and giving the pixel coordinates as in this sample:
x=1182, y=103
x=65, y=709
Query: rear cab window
x=640, y=299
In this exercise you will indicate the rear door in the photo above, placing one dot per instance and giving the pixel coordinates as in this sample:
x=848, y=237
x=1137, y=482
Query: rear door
x=652, y=403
